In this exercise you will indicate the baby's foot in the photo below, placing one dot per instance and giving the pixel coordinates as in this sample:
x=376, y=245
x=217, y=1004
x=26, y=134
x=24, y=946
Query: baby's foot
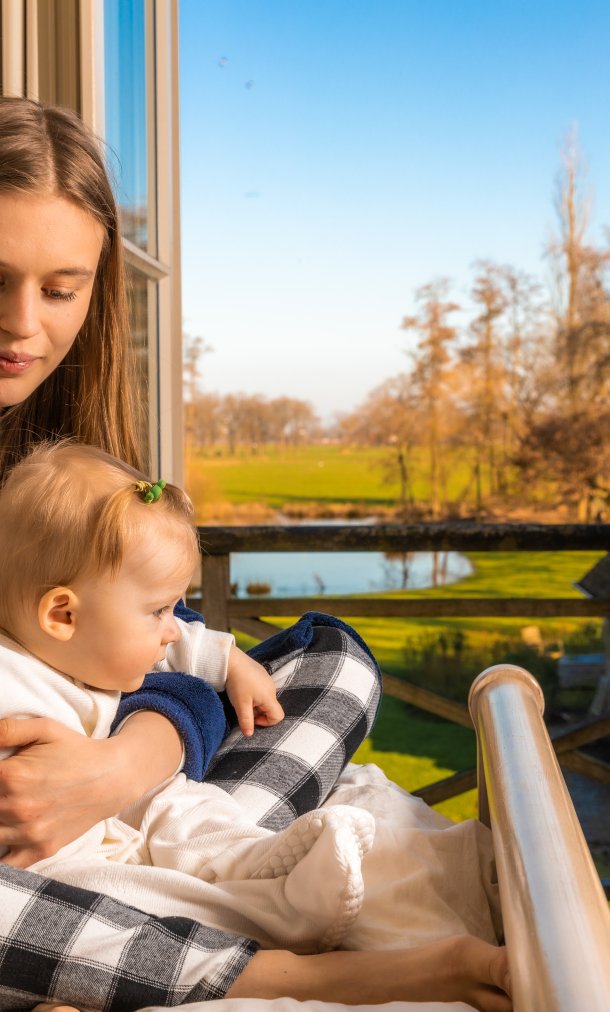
x=315, y=865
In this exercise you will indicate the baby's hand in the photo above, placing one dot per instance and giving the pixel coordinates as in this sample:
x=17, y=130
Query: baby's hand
x=252, y=693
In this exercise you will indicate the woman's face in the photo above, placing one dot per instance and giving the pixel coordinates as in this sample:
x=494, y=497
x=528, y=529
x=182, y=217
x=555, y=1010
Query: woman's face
x=49, y=252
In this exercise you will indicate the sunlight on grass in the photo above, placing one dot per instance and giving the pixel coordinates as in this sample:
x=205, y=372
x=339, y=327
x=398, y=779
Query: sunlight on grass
x=411, y=772
x=415, y=749
x=324, y=473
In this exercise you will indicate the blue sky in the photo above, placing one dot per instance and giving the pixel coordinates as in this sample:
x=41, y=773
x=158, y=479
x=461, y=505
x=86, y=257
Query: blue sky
x=336, y=154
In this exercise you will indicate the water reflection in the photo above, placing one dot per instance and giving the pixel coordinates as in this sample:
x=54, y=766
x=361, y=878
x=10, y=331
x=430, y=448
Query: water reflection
x=295, y=574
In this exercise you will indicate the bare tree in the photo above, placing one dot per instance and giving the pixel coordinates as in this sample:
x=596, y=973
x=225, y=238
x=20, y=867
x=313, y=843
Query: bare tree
x=568, y=435
x=484, y=361
x=431, y=366
x=194, y=348
x=582, y=300
x=389, y=417
x=574, y=451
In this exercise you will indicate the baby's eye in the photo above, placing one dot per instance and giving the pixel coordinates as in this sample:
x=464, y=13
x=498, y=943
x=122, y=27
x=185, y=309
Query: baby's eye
x=162, y=611
x=57, y=294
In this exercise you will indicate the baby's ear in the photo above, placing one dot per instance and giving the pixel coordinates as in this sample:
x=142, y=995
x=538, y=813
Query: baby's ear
x=57, y=613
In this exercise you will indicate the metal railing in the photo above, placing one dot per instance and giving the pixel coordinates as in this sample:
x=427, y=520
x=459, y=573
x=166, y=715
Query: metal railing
x=556, y=917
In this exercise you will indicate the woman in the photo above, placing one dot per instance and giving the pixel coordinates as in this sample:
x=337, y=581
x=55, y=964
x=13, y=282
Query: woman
x=64, y=372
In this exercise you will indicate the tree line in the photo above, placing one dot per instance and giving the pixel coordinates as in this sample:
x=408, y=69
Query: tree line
x=522, y=388
x=229, y=421
x=519, y=390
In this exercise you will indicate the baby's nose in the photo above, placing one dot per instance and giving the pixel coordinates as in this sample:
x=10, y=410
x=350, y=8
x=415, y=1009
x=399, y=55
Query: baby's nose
x=172, y=631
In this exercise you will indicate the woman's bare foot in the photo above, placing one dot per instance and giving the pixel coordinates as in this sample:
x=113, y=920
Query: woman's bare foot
x=478, y=973
x=54, y=1008
x=459, y=968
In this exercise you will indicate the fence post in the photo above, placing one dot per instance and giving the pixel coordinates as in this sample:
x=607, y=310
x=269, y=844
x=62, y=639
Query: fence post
x=215, y=591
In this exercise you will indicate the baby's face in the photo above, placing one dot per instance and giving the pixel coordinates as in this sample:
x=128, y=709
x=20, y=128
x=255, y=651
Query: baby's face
x=125, y=623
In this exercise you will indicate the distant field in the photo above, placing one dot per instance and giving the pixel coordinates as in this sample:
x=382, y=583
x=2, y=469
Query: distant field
x=324, y=474
x=495, y=574
x=413, y=748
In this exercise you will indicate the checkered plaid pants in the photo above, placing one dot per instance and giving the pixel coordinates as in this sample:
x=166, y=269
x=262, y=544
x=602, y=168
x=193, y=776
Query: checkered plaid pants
x=72, y=945
x=61, y=943
x=330, y=693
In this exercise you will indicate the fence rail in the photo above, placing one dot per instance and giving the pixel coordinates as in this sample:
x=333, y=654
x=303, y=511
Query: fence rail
x=224, y=611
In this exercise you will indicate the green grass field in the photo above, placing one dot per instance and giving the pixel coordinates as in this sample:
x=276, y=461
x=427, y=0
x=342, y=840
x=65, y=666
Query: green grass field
x=413, y=748
x=416, y=749
x=328, y=474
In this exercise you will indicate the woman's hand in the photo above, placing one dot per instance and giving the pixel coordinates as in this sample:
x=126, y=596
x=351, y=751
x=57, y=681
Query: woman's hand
x=251, y=691
x=60, y=783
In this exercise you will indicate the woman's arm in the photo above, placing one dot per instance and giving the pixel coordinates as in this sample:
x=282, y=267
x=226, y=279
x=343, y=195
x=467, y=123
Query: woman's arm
x=61, y=783
x=463, y=969
x=75, y=947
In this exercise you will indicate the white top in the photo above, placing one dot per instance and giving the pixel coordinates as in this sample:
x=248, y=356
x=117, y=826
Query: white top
x=30, y=688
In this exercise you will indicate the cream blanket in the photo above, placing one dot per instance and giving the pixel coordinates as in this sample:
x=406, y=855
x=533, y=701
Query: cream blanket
x=414, y=878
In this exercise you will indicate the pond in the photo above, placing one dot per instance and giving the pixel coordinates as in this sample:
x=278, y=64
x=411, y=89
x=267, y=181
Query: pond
x=297, y=574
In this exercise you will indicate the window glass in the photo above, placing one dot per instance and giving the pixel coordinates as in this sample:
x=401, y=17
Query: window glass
x=126, y=114
x=138, y=311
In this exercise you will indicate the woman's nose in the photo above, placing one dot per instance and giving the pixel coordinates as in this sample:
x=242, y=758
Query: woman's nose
x=19, y=313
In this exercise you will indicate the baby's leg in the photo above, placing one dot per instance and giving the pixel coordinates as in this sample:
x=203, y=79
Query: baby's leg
x=303, y=884
x=330, y=691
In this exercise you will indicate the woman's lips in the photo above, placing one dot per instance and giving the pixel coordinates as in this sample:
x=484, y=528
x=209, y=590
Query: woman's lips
x=15, y=364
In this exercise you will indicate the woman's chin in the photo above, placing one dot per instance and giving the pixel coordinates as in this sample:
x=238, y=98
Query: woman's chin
x=14, y=390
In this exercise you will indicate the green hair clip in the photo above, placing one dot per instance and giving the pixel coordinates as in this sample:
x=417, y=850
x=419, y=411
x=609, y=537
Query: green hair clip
x=150, y=493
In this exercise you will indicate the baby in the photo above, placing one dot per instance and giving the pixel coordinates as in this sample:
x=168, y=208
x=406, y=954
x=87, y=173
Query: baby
x=96, y=559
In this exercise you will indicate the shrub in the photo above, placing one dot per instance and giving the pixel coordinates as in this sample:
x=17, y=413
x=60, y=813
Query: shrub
x=446, y=662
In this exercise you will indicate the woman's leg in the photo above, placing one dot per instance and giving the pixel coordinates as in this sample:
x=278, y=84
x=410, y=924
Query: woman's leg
x=330, y=689
x=64, y=944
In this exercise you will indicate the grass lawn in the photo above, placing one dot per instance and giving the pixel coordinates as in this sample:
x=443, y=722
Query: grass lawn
x=277, y=476
x=414, y=748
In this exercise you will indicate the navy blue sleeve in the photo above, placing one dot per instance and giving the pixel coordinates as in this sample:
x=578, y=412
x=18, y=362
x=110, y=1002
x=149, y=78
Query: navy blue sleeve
x=193, y=707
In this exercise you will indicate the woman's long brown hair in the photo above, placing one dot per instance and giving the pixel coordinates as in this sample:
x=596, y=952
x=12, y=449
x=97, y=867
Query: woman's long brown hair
x=91, y=395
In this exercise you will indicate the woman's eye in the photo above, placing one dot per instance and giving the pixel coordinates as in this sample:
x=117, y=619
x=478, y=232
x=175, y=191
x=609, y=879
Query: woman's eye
x=56, y=293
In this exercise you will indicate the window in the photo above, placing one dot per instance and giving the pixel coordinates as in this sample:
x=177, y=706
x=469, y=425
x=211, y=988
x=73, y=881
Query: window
x=128, y=120
x=115, y=62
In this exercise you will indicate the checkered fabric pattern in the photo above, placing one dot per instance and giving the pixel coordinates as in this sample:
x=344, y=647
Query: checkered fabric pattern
x=330, y=693
x=72, y=945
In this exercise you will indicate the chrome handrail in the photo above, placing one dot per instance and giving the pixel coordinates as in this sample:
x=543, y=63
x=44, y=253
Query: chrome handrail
x=556, y=917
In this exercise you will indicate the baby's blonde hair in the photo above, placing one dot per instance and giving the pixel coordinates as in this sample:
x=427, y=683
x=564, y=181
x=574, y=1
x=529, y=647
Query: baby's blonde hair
x=68, y=509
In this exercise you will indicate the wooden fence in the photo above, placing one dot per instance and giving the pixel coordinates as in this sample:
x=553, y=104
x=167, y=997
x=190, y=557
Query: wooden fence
x=223, y=611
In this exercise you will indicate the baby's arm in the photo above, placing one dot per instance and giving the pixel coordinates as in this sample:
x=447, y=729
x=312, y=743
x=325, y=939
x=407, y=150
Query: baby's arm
x=214, y=657
x=252, y=692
